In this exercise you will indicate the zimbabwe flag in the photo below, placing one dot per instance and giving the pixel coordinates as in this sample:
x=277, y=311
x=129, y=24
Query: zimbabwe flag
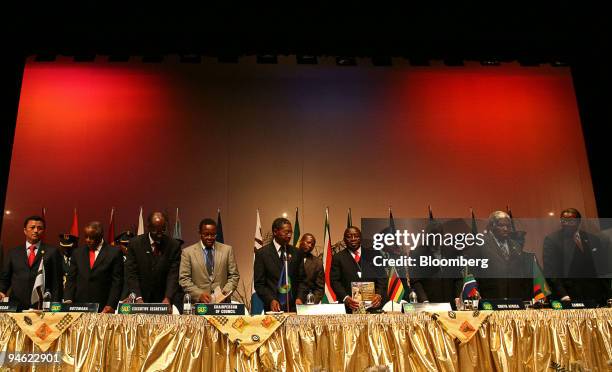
x=395, y=287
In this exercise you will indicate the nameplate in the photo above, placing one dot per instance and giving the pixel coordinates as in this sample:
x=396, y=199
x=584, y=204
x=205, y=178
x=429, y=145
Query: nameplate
x=161, y=309
x=431, y=307
x=8, y=308
x=219, y=309
x=585, y=304
x=321, y=309
x=501, y=304
x=89, y=307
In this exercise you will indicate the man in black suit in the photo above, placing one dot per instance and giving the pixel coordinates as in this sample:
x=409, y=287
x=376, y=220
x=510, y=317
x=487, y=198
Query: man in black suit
x=153, y=263
x=570, y=259
x=96, y=271
x=22, y=263
x=270, y=261
x=355, y=264
x=314, y=275
x=510, y=270
x=67, y=245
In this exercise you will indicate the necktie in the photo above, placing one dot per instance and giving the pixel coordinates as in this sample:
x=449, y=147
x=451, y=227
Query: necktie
x=32, y=255
x=92, y=257
x=357, y=257
x=155, y=248
x=283, y=255
x=210, y=261
x=578, y=242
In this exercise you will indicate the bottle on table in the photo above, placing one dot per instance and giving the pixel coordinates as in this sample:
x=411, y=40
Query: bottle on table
x=187, y=304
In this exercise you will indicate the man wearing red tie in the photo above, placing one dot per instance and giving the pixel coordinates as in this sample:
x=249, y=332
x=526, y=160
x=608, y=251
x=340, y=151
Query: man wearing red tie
x=350, y=265
x=22, y=264
x=96, y=272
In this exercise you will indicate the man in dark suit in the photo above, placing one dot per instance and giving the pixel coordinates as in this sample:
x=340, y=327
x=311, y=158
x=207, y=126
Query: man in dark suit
x=96, y=271
x=355, y=264
x=570, y=259
x=314, y=276
x=22, y=263
x=67, y=244
x=437, y=283
x=153, y=263
x=270, y=261
x=510, y=270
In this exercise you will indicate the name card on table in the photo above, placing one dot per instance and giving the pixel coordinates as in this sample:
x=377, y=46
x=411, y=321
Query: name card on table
x=501, y=304
x=161, y=309
x=584, y=304
x=432, y=306
x=8, y=308
x=321, y=309
x=219, y=309
x=88, y=307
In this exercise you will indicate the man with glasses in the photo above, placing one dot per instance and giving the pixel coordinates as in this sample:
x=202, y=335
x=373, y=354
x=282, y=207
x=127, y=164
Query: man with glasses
x=570, y=260
x=208, y=265
x=153, y=262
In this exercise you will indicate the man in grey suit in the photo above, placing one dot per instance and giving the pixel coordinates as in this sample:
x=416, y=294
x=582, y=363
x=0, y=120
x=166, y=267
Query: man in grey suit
x=207, y=265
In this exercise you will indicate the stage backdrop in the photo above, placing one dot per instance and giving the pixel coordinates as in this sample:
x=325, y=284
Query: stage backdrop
x=275, y=137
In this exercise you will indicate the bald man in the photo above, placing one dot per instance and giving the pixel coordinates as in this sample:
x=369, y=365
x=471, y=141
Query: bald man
x=96, y=271
x=152, y=263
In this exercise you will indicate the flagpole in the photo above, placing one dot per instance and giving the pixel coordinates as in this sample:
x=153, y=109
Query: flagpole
x=287, y=282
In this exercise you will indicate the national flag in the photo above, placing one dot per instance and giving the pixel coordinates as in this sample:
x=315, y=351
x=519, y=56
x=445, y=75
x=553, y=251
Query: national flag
x=43, y=214
x=296, y=229
x=391, y=222
x=474, y=225
x=74, y=229
x=284, y=286
x=431, y=217
x=349, y=219
x=470, y=287
x=509, y=211
x=39, y=282
x=110, y=238
x=395, y=287
x=140, y=230
x=177, y=233
x=540, y=286
x=329, y=297
x=220, y=237
x=257, y=306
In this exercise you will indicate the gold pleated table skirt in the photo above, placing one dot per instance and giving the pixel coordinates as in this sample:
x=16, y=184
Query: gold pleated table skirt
x=528, y=340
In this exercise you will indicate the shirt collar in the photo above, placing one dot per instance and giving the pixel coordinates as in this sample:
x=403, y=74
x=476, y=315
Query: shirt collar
x=204, y=247
x=357, y=251
x=28, y=244
x=99, y=245
x=276, y=245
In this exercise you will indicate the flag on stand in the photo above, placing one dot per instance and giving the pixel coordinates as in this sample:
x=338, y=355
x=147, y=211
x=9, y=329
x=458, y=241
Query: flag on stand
x=431, y=217
x=177, y=234
x=220, y=237
x=140, y=230
x=257, y=306
x=329, y=297
x=349, y=219
x=395, y=287
x=296, y=229
x=509, y=211
x=110, y=238
x=43, y=214
x=74, y=229
x=540, y=286
x=470, y=287
x=39, y=282
x=474, y=225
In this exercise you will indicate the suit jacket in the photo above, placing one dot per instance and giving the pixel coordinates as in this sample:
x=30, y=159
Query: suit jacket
x=435, y=283
x=267, y=271
x=153, y=277
x=195, y=278
x=559, y=251
x=314, y=276
x=102, y=283
x=506, y=276
x=16, y=274
x=344, y=271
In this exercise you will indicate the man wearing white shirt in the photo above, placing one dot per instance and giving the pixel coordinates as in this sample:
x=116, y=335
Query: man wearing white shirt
x=96, y=271
x=22, y=263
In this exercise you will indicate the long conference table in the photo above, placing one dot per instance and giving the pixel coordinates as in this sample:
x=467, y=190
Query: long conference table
x=519, y=340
